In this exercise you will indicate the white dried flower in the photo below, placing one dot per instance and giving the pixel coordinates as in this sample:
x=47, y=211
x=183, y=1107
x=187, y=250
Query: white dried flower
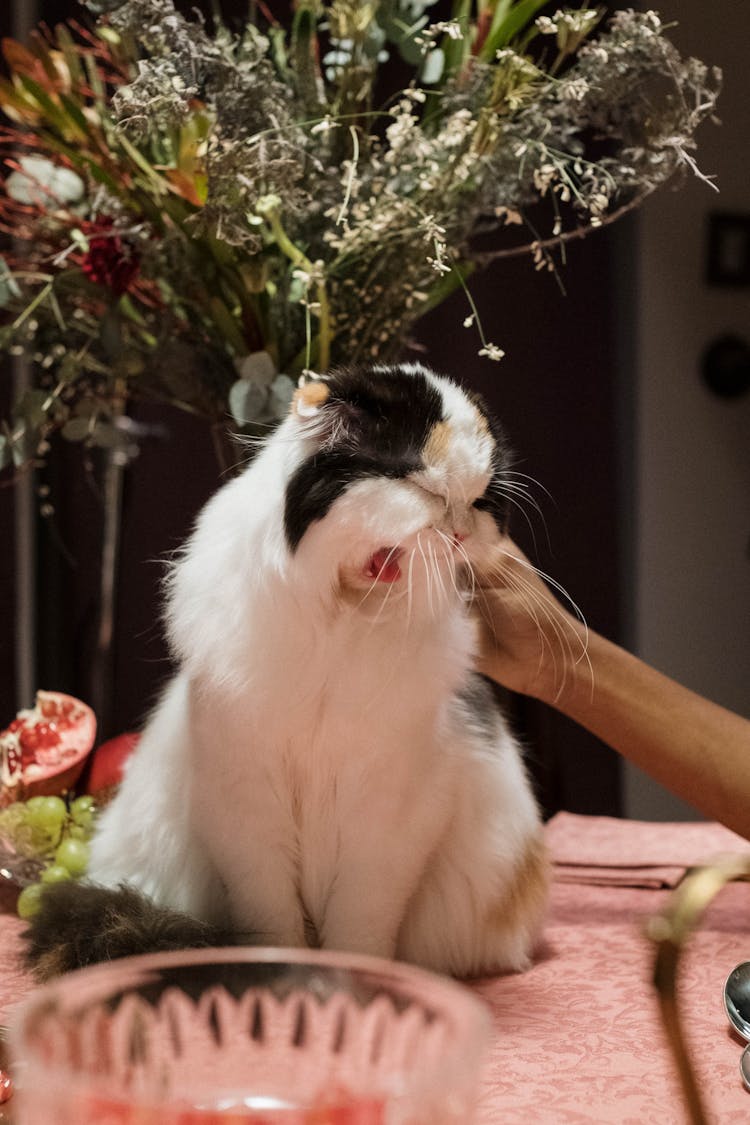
x=439, y=264
x=491, y=351
x=546, y=25
x=575, y=90
x=451, y=28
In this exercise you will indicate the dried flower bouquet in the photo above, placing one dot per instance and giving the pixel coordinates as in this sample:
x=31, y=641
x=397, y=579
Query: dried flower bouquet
x=200, y=215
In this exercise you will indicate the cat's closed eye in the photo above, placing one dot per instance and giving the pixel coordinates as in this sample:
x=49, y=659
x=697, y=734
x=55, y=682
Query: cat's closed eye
x=432, y=488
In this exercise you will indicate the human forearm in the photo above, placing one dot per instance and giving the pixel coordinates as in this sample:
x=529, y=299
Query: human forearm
x=697, y=749
x=532, y=644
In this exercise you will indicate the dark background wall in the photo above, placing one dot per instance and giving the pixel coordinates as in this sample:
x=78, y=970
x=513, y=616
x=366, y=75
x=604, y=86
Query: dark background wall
x=560, y=396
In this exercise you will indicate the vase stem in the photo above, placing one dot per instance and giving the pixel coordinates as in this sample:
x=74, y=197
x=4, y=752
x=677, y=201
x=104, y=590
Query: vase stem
x=102, y=678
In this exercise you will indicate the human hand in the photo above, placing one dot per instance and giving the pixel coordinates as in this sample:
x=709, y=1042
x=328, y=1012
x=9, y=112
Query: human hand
x=529, y=642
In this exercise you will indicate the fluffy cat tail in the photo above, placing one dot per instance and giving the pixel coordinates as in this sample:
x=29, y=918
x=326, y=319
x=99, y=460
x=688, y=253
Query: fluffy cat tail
x=80, y=924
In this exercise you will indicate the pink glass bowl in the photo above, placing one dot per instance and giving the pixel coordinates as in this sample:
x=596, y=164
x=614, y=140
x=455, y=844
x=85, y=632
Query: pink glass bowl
x=220, y=1036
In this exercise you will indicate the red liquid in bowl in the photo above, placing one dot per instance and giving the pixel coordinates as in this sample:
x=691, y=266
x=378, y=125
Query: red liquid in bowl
x=102, y=1111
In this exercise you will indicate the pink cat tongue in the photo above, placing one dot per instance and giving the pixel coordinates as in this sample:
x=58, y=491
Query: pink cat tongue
x=383, y=565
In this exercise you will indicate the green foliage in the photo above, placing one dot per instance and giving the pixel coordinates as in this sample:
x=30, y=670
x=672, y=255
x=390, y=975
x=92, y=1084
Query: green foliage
x=202, y=216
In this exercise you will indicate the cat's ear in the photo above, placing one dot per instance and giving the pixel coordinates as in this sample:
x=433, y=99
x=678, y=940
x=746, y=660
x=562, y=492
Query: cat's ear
x=312, y=392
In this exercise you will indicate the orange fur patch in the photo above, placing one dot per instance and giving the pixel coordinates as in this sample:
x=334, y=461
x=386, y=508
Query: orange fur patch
x=309, y=398
x=526, y=897
x=438, y=443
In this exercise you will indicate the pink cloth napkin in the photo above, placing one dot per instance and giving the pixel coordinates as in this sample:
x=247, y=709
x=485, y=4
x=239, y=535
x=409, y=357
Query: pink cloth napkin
x=607, y=851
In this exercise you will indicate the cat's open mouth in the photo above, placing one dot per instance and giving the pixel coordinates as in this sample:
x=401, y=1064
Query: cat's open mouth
x=382, y=566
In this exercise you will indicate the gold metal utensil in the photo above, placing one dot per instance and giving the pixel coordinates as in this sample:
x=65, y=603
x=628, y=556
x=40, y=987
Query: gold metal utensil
x=671, y=930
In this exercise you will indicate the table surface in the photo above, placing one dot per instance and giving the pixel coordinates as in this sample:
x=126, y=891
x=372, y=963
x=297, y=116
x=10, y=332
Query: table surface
x=577, y=1038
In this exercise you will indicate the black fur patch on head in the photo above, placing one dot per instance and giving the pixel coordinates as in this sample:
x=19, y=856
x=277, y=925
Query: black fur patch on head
x=380, y=419
x=80, y=924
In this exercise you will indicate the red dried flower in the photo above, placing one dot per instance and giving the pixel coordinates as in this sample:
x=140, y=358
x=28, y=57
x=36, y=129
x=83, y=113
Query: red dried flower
x=110, y=261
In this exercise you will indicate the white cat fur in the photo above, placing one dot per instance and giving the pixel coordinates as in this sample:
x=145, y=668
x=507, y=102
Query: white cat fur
x=310, y=758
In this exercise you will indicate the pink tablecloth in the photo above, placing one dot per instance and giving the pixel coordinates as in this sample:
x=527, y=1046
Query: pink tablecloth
x=577, y=1038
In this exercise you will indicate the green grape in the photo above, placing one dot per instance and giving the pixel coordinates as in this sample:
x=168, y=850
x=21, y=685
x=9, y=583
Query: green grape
x=14, y=825
x=38, y=826
x=29, y=900
x=33, y=804
x=82, y=811
x=47, y=813
x=73, y=854
x=13, y=819
x=55, y=873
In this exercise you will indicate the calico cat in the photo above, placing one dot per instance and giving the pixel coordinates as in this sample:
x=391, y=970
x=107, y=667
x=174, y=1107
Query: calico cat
x=325, y=767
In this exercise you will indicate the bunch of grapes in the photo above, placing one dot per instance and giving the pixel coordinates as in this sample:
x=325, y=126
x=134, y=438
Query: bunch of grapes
x=53, y=831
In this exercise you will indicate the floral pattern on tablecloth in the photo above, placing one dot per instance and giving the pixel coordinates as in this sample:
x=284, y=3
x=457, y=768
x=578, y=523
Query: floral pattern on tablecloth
x=577, y=1037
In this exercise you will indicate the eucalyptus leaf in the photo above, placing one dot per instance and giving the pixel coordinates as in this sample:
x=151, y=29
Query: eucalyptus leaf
x=297, y=289
x=374, y=43
x=100, y=7
x=414, y=9
x=280, y=398
x=258, y=366
x=32, y=408
x=434, y=65
x=247, y=401
x=402, y=32
x=69, y=368
x=107, y=435
x=22, y=448
x=6, y=455
x=411, y=51
x=76, y=429
x=42, y=183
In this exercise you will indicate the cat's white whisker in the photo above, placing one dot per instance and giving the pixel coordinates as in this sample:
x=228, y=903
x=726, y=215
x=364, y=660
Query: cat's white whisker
x=436, y=570
x=451, y=545
x=533, y=603
x=523, y=512
x=508, y=489
x=577, y=611
x=384, y=601
x=470, y=572
x=555, y=617
x=410, y=589
x=530, y=481
x=450, y=564
x=373, y=586
x=428, y=575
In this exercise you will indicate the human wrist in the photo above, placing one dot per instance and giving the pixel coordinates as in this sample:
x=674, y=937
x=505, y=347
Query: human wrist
x=565, y=675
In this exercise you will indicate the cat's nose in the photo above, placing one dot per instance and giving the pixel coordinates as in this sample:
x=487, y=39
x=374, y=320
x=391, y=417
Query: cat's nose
x=458, y=524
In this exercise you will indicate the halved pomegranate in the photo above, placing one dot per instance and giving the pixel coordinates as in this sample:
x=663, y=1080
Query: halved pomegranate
x=106, y=766
x=43, y=750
